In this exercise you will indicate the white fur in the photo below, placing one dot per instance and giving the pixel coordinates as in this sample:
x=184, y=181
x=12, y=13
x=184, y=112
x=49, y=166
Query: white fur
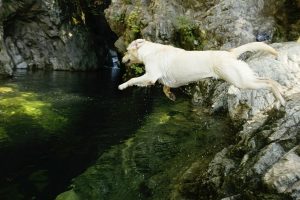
x=174, y=67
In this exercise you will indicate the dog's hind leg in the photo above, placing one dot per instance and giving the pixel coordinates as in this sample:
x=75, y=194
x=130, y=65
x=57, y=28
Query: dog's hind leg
x=241, y=75
x=267, y=83
x=168, y=93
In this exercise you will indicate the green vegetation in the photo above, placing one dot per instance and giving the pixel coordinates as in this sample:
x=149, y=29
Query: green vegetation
x=24, y=108
x=187, y=33
x=133, y=71
x=133, y=25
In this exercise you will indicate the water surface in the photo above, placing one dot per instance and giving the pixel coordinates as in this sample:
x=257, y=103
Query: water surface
x=75, y=132
x=53, y=125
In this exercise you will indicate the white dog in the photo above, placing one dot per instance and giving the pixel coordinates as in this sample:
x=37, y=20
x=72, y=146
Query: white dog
x=174, y=67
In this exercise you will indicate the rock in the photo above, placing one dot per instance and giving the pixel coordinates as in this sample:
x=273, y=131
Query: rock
x=200, y=24
x=220, y=164
x=5, y=60
x=40, y=40
x=266, y=158
x=40, y=35
x=284, y=175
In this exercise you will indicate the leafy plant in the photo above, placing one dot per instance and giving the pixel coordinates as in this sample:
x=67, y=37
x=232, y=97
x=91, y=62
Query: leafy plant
x=186, y=32
x=133, y=70
x=133, y=25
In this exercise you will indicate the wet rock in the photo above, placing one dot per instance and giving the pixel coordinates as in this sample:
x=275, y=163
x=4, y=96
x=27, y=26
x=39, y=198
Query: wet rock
x=220, y=164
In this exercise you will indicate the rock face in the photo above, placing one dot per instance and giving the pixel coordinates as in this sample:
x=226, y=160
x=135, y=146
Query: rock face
x=201, y=24
x=264, y=164
x=37, y=35
x=5, y=61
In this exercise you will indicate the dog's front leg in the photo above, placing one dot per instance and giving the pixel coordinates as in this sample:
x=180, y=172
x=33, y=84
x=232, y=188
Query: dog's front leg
x=141, y=81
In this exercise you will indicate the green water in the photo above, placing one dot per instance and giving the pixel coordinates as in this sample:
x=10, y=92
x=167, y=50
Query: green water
x=163, y=159
x=75, y=132
x=53, y=125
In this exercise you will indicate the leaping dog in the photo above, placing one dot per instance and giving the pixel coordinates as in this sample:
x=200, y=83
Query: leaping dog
x=174, y=67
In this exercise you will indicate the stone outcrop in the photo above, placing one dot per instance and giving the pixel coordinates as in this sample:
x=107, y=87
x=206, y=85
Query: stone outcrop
x=264, y=163
x=201, y=24
x=37, y=35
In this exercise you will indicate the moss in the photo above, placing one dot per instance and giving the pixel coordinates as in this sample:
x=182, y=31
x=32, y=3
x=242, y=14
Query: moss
x=126, y=1
x=5, y=89
x=133, y=25
x=16, y=104
x=186, y=33
x=68, y=195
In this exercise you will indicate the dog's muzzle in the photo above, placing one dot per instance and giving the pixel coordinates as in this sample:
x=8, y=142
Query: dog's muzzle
x=126, y=60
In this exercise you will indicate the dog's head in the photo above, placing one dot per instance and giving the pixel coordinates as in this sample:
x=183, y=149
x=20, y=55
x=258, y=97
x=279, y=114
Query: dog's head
x=131, y=55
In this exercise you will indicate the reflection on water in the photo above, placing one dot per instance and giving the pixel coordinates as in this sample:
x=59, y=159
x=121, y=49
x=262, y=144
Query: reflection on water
x=53, y=125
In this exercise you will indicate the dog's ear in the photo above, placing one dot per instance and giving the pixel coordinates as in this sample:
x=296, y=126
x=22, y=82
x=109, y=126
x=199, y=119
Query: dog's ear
x=136, y=44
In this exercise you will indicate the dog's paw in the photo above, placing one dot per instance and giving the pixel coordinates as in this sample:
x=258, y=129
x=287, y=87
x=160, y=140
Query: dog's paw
x=171, y=96
x=122, y=86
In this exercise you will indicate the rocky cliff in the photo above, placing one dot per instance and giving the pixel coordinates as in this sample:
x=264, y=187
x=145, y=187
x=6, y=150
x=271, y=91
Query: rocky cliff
x=198, y=24
x=39, y=34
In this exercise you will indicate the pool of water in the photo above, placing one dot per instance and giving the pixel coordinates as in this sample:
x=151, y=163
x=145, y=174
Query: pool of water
x=75, y=135
x=164, y=158
x=53, y=125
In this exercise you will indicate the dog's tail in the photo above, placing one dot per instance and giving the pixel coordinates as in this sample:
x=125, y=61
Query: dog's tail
x=253, y=46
